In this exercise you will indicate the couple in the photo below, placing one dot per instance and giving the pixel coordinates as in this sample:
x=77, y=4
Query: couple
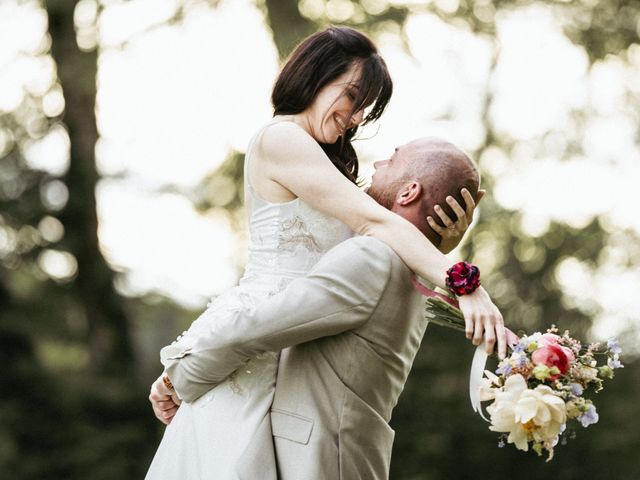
x=346, y=317
x=350, y=330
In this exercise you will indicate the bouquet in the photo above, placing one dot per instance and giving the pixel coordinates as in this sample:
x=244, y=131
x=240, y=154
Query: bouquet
x=540, y=387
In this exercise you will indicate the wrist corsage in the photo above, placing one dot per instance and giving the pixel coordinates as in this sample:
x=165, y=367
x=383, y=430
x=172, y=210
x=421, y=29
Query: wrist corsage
x=463, y=278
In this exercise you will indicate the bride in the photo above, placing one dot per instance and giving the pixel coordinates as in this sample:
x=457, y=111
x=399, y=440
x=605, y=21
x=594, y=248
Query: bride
x=302, y=199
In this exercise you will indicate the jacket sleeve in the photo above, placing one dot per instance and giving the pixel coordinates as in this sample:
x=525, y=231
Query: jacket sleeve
x=339, y=294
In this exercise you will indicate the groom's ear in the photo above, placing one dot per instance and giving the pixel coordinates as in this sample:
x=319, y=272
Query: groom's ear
x=409, y=193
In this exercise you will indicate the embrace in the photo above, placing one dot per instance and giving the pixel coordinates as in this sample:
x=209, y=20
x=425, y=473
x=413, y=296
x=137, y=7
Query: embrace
x=294, y=373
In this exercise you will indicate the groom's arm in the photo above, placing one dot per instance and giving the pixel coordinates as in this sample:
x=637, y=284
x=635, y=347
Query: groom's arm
x=339, y=294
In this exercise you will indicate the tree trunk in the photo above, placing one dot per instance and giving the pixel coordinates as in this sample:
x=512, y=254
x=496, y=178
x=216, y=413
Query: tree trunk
x=108, y=333
x=287, y=25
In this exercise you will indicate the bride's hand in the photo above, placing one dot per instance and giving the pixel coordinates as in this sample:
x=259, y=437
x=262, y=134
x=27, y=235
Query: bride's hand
x=164, y=402
x=454, y=231
x=483, y=320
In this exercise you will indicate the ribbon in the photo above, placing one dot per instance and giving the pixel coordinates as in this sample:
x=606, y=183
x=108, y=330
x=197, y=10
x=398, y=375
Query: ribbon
x=427, y=292
x=478, y=365
x=480, y=356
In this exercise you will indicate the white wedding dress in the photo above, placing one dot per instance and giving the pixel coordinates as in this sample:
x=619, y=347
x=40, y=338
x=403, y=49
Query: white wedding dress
x=207, y=438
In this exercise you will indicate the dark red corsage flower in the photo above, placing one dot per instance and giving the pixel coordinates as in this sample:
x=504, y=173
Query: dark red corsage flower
x=463, y=278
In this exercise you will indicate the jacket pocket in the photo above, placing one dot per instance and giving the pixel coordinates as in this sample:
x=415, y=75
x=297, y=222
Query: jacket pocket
x=291, y=426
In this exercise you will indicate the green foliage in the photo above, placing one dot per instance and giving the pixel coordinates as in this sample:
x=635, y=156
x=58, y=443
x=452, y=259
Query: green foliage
x=292, y=21
x=79, y=356
x=223, y=189
x=604, y=28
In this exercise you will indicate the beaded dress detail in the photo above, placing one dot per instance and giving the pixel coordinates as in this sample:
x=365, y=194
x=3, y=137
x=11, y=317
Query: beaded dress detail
x=207, y=437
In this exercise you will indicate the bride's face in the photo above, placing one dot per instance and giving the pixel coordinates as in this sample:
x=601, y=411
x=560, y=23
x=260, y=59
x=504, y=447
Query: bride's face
x=329, y=116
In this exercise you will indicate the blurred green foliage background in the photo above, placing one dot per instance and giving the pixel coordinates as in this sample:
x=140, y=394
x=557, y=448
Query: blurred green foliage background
x=79, y=357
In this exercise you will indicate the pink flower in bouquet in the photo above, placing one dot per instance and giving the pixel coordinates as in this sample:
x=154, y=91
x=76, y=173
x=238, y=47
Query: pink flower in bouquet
x=552, y=356
x=548, y=339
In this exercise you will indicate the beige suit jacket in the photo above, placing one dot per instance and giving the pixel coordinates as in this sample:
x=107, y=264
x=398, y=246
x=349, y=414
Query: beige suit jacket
x=355, y=324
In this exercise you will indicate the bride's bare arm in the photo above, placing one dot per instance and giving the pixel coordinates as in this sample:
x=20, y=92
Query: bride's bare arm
x=291, y=158
x=288, y=156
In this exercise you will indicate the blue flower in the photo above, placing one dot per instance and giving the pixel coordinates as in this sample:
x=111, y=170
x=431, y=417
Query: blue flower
x=504, y=368
x=520, y=347
x=614, y=348
x=576, y=389
x=522, y=361
x=615, y=362
x=589, y=417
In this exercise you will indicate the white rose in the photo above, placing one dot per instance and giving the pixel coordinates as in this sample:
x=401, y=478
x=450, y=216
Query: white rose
x=488, y=386
x=585, y=373
x=526, y=414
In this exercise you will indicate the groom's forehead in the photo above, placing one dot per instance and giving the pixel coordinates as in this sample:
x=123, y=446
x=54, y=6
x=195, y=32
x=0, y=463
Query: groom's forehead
x=401, y=149
x=404, y=150
x=414, y=144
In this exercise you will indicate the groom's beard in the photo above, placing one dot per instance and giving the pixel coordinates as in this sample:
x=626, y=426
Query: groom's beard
x=384, y=198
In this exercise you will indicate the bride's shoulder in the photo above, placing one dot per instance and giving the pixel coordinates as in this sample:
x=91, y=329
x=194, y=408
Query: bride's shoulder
x=283, y=136
x=283, y=129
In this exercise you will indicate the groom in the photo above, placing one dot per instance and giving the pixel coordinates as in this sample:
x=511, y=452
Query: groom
x=352, y=326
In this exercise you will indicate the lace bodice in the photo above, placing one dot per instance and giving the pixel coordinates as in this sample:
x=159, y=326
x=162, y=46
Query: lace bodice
x=287, y=239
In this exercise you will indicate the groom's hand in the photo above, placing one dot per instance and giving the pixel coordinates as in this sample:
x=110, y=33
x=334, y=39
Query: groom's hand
x=164, y=401
x=483, y=320
x=453, y=231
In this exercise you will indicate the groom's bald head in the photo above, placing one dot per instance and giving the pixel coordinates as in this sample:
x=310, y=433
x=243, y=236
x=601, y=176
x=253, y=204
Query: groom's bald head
x=439, y=168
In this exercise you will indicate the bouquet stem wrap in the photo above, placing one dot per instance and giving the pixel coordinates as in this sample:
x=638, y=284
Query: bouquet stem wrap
x=449, y=315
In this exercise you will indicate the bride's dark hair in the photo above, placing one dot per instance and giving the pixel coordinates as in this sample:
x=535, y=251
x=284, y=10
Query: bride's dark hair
x=317, y=61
